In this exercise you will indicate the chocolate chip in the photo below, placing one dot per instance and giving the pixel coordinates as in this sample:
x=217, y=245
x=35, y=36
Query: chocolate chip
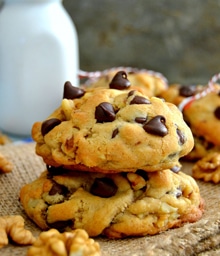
x=187, y=90
x=72, y=92
x=131, y=93
x=115, y=132
x=48, y=125
x=178, y=193
x=58, y=189
x=141, y=120
x=175, y=169
x=182, y=138
x=120, y=81
x=104, y=187
x=139, y=100
x=156, y=126
x=61, y=225
x=53, y=171
x=142, y=173
x=217, y=112
x=104, y=112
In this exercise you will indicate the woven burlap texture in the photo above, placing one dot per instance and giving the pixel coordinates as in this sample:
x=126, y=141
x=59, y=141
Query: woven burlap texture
x=200, y=238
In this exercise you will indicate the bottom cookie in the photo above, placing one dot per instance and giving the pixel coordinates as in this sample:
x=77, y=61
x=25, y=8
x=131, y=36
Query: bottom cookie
x=114, y=205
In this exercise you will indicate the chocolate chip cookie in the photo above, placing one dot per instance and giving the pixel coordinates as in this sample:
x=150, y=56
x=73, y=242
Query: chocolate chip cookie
x=147, y=82
x=112, y=130
x=202, y=114
x=114, y=205
x=203, y=117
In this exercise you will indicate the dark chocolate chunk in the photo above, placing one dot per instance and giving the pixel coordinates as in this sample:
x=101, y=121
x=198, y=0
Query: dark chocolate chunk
x=141, y=120
x=104, y=187
x=175, y=169
x=72, y=92
x=104, y=112
x=115, y=132
x=139, y=100
x=131, y=93
x=187, y=90
x=182, y=138
x=156, y=126
x=120, y=81
x=61, y=225
x=142, y=173
x=178, y=193
x=217, y=112
x=48, y=125
x=58, y=189
x=53, y=171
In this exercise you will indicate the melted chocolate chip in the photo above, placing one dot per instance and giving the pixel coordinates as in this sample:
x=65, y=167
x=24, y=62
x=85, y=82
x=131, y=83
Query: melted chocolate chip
x=142, y=173
x=139, y=100
x=178, y=193
x=131, y=93
x=58, y=189
x=175, y=169
x=61, y=225
x=115, y=132
x=53, y=171
x=104, y=112
x=120, y=81
x=182, y=138
x=156, y=126
x=141, y=120
x=72, y=92
x=217, y=112
x=48, y=125
x=187, y=90
x=104, y=187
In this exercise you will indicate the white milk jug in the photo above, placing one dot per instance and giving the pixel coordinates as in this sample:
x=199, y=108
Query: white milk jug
x=38, y=54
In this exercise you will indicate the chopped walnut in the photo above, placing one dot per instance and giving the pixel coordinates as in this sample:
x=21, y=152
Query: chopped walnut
x=13, y=227
x=5, y=165
x=137, y=182
x=73, y=243
x=208, y=168
x=67, y=106
x=4, y=139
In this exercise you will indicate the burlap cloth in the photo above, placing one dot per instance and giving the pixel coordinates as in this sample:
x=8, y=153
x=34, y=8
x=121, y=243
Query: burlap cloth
x=200, y=238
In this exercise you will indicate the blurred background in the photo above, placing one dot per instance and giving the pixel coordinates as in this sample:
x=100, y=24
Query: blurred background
x=180, y=39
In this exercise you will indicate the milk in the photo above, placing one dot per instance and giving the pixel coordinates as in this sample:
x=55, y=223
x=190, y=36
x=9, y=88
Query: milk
x=38, y=54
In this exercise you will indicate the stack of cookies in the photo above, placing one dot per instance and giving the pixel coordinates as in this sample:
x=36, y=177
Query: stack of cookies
x=112, y=157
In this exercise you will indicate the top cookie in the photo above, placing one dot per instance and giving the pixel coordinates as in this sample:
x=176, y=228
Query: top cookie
x=110, y=130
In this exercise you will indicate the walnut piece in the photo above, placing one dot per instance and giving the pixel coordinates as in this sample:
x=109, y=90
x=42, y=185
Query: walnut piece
x=4, y=139
x=5, y=165
x=13, y=227
x=73, y=243
x=208, y=168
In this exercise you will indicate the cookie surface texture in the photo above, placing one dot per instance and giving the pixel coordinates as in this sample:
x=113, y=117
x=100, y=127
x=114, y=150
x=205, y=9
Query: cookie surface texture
x=108, y=130
x=114, y=205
